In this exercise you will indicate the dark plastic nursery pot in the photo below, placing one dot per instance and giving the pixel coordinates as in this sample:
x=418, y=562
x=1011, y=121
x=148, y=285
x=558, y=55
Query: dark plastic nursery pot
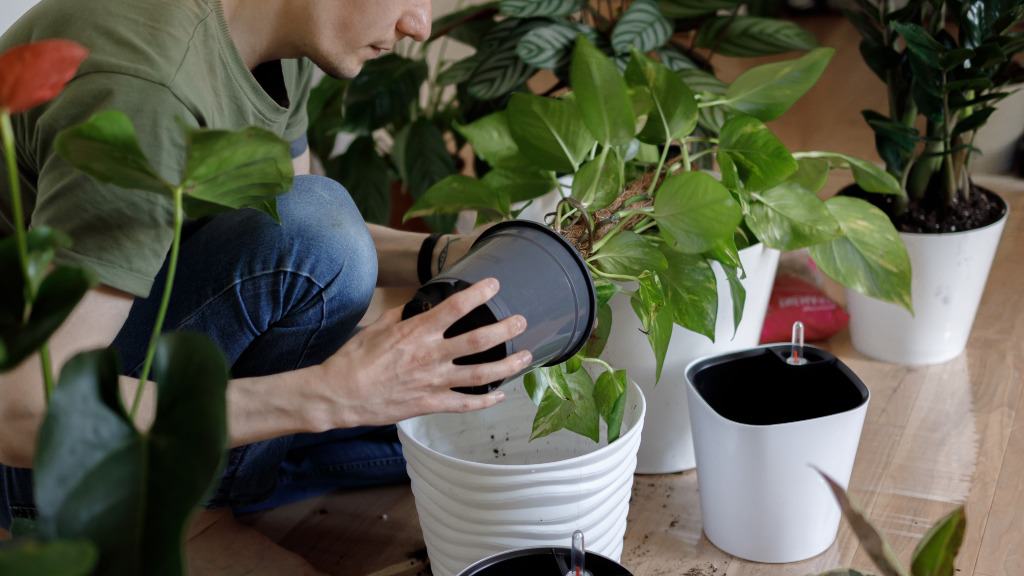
x=542, y=277
x=542, y=562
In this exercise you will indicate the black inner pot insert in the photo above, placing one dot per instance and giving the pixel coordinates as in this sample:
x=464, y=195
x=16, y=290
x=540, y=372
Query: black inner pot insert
x=542, y=562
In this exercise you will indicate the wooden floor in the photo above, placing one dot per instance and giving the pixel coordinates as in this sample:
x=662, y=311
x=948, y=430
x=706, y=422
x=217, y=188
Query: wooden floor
x=934, y=438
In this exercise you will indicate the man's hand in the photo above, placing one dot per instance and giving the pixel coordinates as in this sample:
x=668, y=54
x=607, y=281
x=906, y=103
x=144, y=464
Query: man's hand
x=393, y=369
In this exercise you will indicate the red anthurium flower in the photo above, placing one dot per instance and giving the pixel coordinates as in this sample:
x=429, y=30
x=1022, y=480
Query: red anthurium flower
x=35, y=73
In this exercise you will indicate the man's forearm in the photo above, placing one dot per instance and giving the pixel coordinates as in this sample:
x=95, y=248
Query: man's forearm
x=396, y=255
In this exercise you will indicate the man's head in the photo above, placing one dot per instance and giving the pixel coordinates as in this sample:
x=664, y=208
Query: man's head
x=345, y=34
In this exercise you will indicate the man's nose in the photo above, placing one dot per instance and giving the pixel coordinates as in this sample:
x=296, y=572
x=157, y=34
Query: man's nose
x=415, y=21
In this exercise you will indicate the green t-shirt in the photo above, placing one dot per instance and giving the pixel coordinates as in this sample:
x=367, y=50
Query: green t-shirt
x=164, y=63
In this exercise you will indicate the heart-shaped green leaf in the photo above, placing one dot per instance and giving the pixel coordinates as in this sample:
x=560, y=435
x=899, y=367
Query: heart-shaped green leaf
x=935, y=554
x=695, y=212
x=628, y=254
x=599, y=337
x=492, y=141
x=577, y=412
x=768, y=91
x=753, y=36
x=788, y=217
x=549, y=132
x=106, y=148
x=610, y=397
x=650, y=305
x=869, y=257
x=58, y=558
x=760, y=159
x=869, y=177
x=601, y=95
x=692, y=292
x=457, y=193
x=520, y=185
x=673, y=113
x=641, y=27
x=811, y=174
x=599, y=181
x=738, y=295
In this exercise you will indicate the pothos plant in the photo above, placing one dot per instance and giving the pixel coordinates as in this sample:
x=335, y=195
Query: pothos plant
x=647, y=222
x=953, y=81
x=406, y=102
x=113, y=498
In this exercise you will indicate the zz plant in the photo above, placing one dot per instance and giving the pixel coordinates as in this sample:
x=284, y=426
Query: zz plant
x=113, y=498
x=648, y=222
x=950, y=79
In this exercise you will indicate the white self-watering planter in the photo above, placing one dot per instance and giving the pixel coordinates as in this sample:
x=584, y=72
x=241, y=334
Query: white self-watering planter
x=482, y=487
x=949, y=275
x=667, y=443
x=760, y=427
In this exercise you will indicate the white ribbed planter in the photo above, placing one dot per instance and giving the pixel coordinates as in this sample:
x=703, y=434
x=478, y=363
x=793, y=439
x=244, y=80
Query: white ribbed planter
x=949, y=276
x=668, y=442
x=482, y=487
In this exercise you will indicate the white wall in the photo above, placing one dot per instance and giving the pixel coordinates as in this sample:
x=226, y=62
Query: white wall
x=11, y=10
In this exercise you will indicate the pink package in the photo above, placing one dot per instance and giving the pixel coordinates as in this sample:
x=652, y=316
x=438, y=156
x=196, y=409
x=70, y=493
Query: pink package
x=795, y=299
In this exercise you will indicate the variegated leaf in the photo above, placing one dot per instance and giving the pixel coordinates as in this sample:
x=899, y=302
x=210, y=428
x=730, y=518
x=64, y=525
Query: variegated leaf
x=532, y=8
x=642, y=26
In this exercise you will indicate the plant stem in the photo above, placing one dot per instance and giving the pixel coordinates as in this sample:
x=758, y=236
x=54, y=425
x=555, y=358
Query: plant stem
x=661, y=164
x=947, y=137
x=711, y=103
x=21, y=240
x=172, y=267
x=645, y=227
x=596, y=272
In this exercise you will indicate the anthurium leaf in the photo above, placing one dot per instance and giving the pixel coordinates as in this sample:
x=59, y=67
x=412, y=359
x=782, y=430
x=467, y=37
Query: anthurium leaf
x=520, y=185
x=610, y=397
x=811, y=174
x=692, y=292
x=364, y=174
x=693, y=8
x=383, y=93
x=106, y=148
x=601, y=95
x=641, y=27
x=753, y=36
x=599, y=182
x=694, y=211
x=230, y=170
x=869, y=177
x=599, y=337
x=456, y=193
x=650, y=305
x=870, y=539
x=768, y=91
x=531, y=8
x=550, y=46
x=869, y=256
x=28, y=557
x=673, y=113
x=549, y=132
x=760, y=159
x=788, y=217
x=935, y=554
x=628, y=254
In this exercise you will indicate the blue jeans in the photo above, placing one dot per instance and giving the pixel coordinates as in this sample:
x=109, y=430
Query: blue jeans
x=274, y=298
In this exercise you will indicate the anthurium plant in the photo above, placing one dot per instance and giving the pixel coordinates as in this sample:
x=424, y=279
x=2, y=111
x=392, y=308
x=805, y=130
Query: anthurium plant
x=113, y=498
x=935, y=554
x=405, y=101
x=948, y=63
x=648, y=222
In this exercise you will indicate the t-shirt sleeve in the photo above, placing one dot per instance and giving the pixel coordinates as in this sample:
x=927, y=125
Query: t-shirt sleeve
x=299, y=77
x=121, y=235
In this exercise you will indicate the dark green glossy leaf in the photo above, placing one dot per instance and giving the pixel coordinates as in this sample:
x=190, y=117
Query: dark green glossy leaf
x=520, y=185
x=753, y=36
x=973, y=122
x=42, y=243
x=870, y=539
x=895, y=141
x=935, y=554
x=694, y=8
x=649, y=304
x=768, y=91
x=641, y=27
x=695, y=212
x=383, y=93
x=760, y=159
x=106, y=148
x=601, y=95
x=364, y=174
x=673, y=113
x=429, y=161
x=628, y=254
x=549, y=132
x=550, y=46
x=920, y=43
x=456, y=193
x=610, y=397
x=58, y=558
x=788, y=217
x=869, y=257
x=869, y=177
x=599, y=182
x=230, y=170
x=531, y=8
x=692, y=292
x=326, y=112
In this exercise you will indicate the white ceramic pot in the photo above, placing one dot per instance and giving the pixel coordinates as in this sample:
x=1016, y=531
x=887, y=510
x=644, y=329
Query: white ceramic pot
x=760, y=497
x=949, y=276
x=667, y=442
x=482, y=487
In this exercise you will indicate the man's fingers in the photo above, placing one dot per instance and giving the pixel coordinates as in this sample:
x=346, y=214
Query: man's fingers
x=479, y=374
x=485, y=338
x=463, y=302
x=457, y=402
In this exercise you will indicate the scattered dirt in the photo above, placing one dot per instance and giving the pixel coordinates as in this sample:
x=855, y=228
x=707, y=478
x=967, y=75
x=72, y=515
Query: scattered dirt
x=982, y=208
x=708, y=569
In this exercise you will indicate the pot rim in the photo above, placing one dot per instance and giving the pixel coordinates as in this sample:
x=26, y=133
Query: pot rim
x=517, y=552
x=622, y=441
x=765, y=427
x=1006, y=215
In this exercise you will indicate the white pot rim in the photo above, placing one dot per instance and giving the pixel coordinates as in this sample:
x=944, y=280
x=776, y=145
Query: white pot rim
x=598, y=454
x=1006, y=214
x=761, y=427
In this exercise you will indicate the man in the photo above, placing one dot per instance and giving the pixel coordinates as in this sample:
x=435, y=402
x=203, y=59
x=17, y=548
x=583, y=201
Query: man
x=281, y=301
